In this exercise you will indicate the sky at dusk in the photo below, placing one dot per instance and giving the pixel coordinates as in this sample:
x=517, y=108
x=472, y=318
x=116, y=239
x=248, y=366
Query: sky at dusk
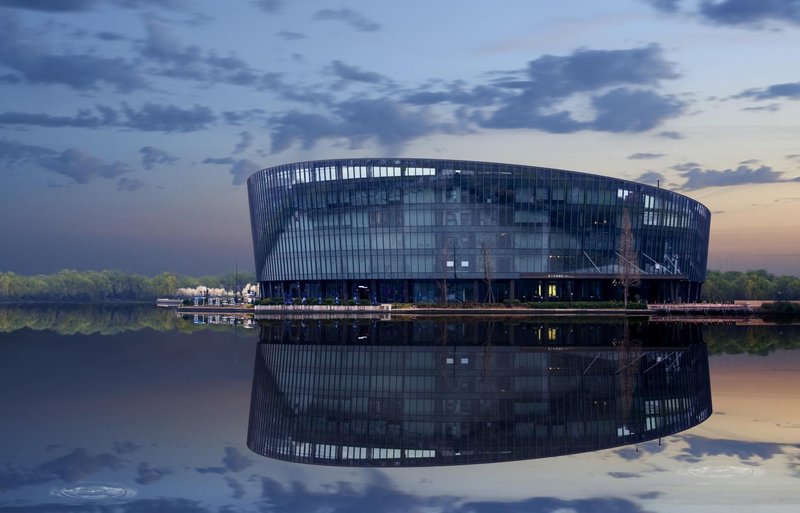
x=128, y=127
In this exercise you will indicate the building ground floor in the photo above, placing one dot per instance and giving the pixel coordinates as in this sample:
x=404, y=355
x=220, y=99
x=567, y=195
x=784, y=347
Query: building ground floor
x=650, y=290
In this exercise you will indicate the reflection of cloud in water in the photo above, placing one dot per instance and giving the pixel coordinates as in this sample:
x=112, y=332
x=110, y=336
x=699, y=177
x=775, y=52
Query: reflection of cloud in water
x=699, y=448
x=125, y=447
x=624, y=475
x=148, y=474
x=237, y=490
x=235, y=461
x=343, y=497
x=80, y=463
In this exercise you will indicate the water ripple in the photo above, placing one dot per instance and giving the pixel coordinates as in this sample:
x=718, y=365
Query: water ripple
x=95, y=492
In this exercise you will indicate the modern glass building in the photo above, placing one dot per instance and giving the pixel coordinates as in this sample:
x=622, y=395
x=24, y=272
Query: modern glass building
x=402, y=230
x=452, y=393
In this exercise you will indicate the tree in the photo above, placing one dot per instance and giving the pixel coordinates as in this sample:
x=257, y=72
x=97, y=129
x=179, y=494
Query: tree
x=627, y=270
x=486, y=253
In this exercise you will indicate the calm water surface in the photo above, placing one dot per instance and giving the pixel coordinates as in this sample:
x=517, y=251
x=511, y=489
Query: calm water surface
x=133, y=409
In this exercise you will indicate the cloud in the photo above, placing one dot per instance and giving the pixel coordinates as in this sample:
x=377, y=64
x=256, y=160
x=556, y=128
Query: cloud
x=148, y=118
x=650, y=177
x=13, y=152
x=790, y=91
x=354, y=19
x=73, y=163
x=669, y=134
x=152, y=156
x=168, y=118
x=245, y=116
x=125, y=447
x=245, y=141
x=645, y=156
x=50, y=5
x=600, y=90
x=37, y=65
x=109, y=36
x=355, y=74
x=288, y=35
x=82, y=167
x=190, y=62
x=699, y=179
x=626, y=110
x=126, y=184
x=535, y=99
x=270, y=6
x=147, y=474
x=83, y=119
x=750, y=12
x=240, y=168
x=664, y=5
x=358, y=121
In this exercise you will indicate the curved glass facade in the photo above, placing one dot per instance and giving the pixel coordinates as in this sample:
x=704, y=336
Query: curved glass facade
x=427, y=393
x=398, y=229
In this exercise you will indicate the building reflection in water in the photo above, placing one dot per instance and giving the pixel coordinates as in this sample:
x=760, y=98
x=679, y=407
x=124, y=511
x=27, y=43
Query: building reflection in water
x=449, y=393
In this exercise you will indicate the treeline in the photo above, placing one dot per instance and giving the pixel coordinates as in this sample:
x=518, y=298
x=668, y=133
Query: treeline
x=732, y=285
x=98, y=286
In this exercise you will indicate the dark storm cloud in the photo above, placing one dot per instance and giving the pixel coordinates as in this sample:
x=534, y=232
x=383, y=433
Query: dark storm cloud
x=270, y=6
x=147, y=474
x=346, y=72
x=50, y=5
x=697, y=178
x=354, y=19
x=790, y=91
x=645, y=156
x=152, y=156
x=82, y=167
x=168, y=118
x=750, y=12
x=35, y=64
